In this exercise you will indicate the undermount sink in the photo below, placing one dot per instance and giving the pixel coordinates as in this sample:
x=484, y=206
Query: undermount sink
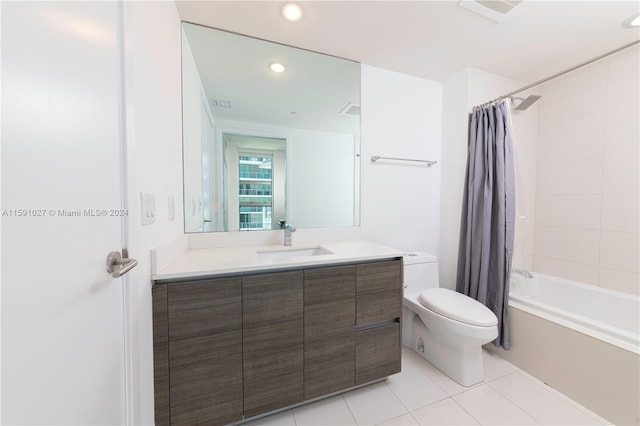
x=293, y=252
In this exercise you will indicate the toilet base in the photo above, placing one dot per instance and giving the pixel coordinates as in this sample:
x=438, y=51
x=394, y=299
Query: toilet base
x=464, y=364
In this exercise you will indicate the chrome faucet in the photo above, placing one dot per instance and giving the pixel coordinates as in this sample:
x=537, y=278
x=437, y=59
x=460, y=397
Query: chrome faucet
x=522, y=272
x=287, y=233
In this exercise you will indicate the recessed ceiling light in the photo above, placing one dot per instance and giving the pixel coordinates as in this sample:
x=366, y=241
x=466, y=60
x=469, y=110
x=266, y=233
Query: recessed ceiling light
x=276, y=67
x=632, y=22
x=292, y=12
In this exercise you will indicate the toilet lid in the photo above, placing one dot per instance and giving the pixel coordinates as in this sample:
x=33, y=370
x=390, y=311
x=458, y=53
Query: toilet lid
x=457, y=306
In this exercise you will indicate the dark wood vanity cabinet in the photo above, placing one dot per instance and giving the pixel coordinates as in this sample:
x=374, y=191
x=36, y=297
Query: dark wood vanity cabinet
x=226, y=349
x=379, y=309
x=329, y=330
x=272, y=341
x=198, y=354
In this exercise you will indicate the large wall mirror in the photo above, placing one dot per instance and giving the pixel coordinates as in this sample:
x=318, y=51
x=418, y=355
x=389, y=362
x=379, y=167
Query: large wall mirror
x=261, y=145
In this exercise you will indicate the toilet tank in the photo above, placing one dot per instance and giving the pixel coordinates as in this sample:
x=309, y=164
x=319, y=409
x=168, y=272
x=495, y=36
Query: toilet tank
x=420, y=272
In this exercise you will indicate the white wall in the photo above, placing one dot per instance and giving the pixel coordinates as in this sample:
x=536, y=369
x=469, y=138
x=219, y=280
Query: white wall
x=462, y=92
x=455, y=110
x=587, y=176
x=155, y=151
x=400, y=202
x=322, y=168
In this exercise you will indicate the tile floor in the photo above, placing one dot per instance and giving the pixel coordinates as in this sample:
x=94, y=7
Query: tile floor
x=422, y=395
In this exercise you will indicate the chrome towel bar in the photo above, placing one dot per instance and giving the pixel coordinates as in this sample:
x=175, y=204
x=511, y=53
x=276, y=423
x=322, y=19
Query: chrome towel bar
x=429, y=163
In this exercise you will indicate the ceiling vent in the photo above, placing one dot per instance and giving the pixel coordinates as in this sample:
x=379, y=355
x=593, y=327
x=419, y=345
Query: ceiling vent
x=496, y=10
x=222, y=104
x=351, y=109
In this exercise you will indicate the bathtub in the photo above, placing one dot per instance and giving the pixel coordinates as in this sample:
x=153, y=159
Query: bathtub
x=579, y=339
x=607, y=315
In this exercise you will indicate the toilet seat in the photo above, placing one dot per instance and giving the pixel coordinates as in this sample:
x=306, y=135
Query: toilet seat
x=458, y=307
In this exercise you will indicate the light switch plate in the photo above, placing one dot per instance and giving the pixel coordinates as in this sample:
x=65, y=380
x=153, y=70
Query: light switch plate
x=147, y=208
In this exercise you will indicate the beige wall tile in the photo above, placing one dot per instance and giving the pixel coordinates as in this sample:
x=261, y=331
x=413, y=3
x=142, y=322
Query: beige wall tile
x=627, y=282
x=623, y=64
x=575, y=245
x=620, y=212
x=569, y=211
x=586, y=274
x=621, y=139
x=619, y=250
x=623, y=100
x=620, y=175
x=579, y=177
x=571, y=143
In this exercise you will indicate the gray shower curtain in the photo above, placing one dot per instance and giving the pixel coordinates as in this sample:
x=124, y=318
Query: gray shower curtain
x=488, y=214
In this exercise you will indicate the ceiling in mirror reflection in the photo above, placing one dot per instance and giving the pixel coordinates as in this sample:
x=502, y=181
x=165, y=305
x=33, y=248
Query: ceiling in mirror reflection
x=311, y=93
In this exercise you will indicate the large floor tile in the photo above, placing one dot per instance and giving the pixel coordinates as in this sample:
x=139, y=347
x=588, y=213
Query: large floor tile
x=489, y=407
x=374, y=404
x=284, y=418
x=495, y=366
x=446, y=412
x=330, y=411
x=403, y=420
x=541, y=404
x=414, y=387
x=450, y=386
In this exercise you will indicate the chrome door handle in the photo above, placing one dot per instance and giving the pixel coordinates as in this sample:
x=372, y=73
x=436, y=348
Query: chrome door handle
x=117, y=266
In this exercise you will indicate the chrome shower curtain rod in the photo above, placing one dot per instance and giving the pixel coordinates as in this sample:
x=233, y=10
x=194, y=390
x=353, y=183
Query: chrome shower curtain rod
x=551, y=77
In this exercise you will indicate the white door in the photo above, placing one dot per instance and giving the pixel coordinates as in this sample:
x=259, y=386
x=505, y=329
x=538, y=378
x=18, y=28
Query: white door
x=62, y=313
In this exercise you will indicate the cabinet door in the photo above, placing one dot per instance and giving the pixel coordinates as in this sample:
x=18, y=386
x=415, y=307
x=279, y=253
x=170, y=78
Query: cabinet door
x=379, y=292
x=272, y=312
x=379, y=276
x=205, y=351
x=329, y=330
x=377, y=353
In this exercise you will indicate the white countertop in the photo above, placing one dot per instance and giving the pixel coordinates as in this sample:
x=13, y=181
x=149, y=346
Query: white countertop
x=209, y=262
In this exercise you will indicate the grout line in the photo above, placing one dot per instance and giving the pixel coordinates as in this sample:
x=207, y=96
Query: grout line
x=501, y=377
x=349, y=408
x=505, y=396
x=565, y=398
x=414, y=417
x=429, y=375
x=422, y=406
x=466, y=411
x=398, y=398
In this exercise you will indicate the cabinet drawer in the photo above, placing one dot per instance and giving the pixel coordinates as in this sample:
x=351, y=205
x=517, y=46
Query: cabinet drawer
x=378, y=276
x=380, y=306
x=377, y=353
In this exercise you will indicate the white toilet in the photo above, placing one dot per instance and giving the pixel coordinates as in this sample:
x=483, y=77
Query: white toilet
x=446, y=328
